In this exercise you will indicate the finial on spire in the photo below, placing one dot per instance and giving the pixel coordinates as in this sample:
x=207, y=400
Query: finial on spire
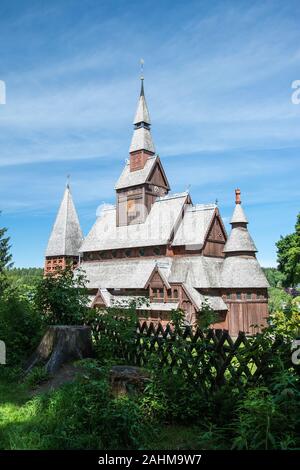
x=142, y=77
x=142, y=68
x=68, y=181
x=216, y=202
x=238, y=196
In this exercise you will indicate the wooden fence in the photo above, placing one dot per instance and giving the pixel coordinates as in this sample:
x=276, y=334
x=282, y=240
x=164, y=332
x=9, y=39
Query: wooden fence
x=210, y=358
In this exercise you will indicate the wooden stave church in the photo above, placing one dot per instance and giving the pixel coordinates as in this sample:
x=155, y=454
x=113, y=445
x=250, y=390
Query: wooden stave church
x=161, y=246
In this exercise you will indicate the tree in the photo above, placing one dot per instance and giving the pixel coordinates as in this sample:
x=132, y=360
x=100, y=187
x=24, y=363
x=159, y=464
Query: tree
x=275, y=278
x=62, y=297
x=5, y=257
x=288, y=256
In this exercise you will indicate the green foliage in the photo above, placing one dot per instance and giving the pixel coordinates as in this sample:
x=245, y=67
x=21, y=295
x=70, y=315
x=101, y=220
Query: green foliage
x=5, y=258
x=20, y=329
x=278, y=299
x=62, y=298
x=122, y=322
x=91, y=419
x=268, y=418
x=36, y=376
x=206, y=317
x=274, y=276
x=23, y=281
x=288, y=256
x=285, y=321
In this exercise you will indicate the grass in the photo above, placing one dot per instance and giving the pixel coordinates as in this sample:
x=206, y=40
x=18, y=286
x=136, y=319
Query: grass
x=13, y=397
x=21, y=417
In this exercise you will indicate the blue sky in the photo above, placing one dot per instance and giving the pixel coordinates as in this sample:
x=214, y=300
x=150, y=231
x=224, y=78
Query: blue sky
x=218, y=81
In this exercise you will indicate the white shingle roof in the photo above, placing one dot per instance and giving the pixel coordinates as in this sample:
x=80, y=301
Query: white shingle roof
x=194, y=225
x=239, y=240
x=156, y=230
x=66, y=236
x=238, y=272
x=134, y=178
x=119, y=273
x=142, y=140
x=215, y=302
x=197, y=271
x=142, y=113
x=238, y=215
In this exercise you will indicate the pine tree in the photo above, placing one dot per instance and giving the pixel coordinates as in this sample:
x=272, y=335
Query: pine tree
x=5, y=257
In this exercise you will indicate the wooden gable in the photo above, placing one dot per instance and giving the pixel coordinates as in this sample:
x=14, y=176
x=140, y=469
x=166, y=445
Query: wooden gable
x=215, y=238
x=157, y=280
x=216, y=231
x=158, y=177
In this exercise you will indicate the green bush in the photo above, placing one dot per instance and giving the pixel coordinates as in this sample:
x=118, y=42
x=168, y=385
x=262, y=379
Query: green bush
x=62, y=297
x=268, y=418
x=82, y=415
x=20, y=329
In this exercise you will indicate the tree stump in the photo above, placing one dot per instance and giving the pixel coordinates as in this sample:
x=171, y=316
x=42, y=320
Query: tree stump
x=122, y=377
x=61, y=344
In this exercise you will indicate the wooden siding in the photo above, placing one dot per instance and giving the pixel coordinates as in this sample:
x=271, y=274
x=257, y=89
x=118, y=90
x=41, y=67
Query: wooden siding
x=215, y=239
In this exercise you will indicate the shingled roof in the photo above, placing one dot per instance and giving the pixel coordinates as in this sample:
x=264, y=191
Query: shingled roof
x=156, y=230
x=194, y=225
x=66, y=236
x=134, y=178
x=239, y=240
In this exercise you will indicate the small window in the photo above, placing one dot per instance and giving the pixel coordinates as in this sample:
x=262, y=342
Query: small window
x=156, y=250
x=114, y=253
x=158, y=293
x=238, y=296
x=142, y=251
x=249, y=296
x=128, y=253
x=175, y=293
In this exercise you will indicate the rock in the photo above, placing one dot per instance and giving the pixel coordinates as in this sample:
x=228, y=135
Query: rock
x=123, y=377
x=60, y=345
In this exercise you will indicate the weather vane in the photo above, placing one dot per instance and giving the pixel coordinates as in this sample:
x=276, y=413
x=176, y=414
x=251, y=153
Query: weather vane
x=68, y=180
x=142, y=68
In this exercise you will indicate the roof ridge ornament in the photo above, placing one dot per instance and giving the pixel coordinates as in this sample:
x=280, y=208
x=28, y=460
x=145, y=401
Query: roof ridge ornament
x=238, y=196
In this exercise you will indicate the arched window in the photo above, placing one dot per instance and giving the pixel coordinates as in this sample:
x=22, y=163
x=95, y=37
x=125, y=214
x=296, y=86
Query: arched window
x=175, y=293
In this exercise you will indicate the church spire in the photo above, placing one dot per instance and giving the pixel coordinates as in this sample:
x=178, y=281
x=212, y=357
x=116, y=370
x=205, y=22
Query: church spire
x=142, y=116
x=142, y=145
x=66, y=236
x=239, y=241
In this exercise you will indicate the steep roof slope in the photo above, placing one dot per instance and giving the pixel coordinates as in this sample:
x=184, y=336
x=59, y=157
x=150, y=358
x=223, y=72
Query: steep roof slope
x=66, y=236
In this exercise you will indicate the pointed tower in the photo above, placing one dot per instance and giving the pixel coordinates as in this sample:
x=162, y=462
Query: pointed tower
x=142, y=145
x=239, y=242
x=66, y=236
x=143, y=178
x=244, y=284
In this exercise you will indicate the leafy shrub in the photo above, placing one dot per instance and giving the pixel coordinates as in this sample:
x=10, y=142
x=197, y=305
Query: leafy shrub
x=278, y=300
x=62, y=297
x=268, y=418
x=20, y=329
